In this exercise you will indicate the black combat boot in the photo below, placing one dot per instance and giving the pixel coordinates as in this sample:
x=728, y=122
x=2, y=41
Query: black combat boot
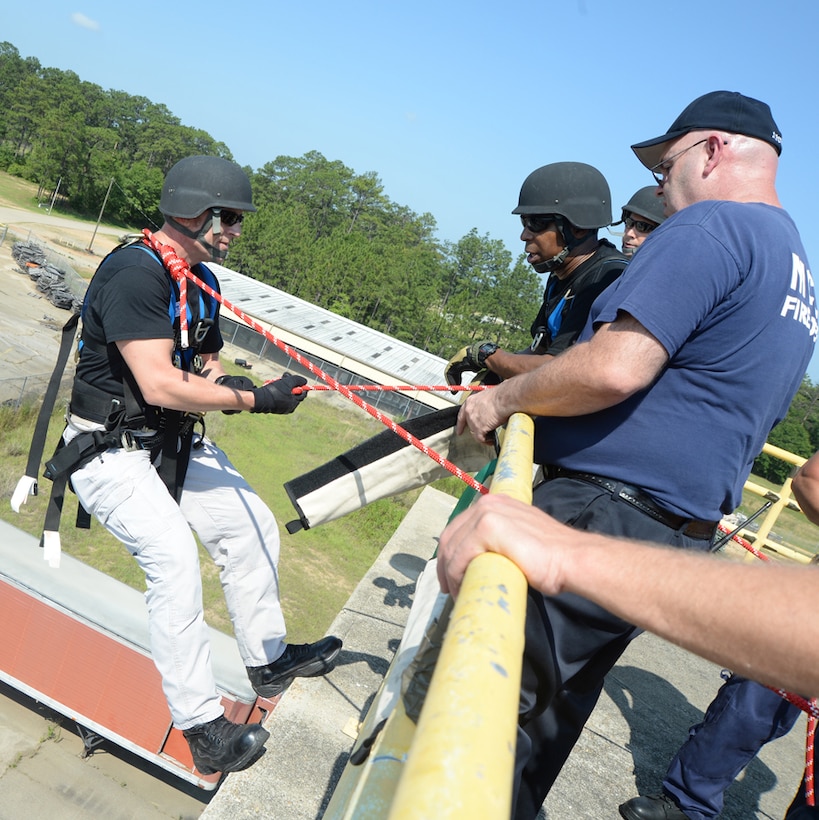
x=222, y=746
x=305, y=660
x=661, y=807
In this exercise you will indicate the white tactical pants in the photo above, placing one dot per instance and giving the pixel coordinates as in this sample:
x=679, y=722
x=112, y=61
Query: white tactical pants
x=124, y=491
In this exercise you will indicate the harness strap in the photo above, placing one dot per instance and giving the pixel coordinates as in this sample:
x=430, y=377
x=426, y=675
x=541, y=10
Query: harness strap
x=172, y=461
x=68, y=457
x=54, y=507
x=178, y=441
x=28, y=483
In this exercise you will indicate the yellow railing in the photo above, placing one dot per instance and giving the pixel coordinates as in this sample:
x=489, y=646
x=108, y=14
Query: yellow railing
x=780, y=499
x=459, y=760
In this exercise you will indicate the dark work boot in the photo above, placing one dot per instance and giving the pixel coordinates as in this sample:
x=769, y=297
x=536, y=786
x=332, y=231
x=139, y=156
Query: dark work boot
x=660, y=807
x=304, y=660
x=222, y=746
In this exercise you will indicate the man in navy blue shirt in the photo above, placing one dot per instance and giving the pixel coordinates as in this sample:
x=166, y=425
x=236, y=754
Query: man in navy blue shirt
x=648, y=426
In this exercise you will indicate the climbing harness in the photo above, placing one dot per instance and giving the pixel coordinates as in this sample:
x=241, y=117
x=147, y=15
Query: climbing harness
x=127, y=422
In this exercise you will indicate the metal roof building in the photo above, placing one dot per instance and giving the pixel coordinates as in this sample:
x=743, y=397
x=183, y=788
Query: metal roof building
x=348, y=351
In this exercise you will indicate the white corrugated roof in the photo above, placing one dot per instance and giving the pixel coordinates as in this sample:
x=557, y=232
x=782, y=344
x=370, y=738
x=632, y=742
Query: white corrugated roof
x=266, y=304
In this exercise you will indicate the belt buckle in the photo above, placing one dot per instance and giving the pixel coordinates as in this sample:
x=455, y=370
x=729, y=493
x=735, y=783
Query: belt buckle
x=129, y=443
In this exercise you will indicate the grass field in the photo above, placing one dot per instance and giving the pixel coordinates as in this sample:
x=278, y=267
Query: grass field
x=319, y=568
x=791, y=527
x=18, y=192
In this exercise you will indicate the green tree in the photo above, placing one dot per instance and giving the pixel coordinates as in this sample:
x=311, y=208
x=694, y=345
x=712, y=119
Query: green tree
x=322, y=231
x=790, y=435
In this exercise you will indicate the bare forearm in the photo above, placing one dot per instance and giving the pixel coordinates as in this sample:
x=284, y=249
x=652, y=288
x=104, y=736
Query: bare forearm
x=618, y=361
x=185, y=391
x=506, y=364
x=164, y=385
x=758, y=620
x=806, y=488
x=568, y=385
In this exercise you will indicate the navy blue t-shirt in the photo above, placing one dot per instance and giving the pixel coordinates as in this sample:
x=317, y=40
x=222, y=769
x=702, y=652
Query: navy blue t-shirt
x=726, y=289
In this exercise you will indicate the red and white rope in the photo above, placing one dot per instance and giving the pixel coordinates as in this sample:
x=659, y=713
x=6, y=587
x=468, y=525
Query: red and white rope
x=810, y=789
x=743, y=542
x=180, y=269
x=410, y=388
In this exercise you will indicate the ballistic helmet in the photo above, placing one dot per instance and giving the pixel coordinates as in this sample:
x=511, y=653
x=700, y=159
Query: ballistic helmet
x=574, y=190
x=198, y=183
x=646, y=204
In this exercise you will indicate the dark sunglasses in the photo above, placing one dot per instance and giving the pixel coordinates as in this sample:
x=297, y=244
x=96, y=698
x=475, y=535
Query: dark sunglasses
x=230, y=218
x=639, y=225
x=537, y=223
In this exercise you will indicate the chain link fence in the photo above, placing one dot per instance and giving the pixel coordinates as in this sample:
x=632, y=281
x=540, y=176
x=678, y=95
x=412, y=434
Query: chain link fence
x=30, y=389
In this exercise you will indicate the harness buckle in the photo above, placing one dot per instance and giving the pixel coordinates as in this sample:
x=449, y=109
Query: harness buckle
x=127, y=441
x=201, y=329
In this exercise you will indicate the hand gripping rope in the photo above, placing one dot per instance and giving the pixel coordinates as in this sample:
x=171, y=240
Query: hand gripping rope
x=181, y=272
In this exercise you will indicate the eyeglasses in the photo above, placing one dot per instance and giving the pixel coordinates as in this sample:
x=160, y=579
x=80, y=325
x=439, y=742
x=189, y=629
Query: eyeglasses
x=229, y=218
x=537, y=223
x=662, y=169
x=639, y=225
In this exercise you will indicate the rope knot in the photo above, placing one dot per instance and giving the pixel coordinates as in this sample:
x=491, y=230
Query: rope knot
x=180, y=272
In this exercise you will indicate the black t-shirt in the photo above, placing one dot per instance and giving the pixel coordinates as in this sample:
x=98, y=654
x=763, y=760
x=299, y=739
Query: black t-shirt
x=567, y=302
x=130, y=297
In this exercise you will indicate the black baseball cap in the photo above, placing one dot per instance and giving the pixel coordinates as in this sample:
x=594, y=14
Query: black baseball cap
x=723, y=111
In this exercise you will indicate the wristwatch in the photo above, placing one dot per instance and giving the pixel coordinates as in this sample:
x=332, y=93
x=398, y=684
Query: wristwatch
x=485, y=351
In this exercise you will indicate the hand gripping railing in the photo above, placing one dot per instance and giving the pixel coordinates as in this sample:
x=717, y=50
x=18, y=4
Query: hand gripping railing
x=462, y=760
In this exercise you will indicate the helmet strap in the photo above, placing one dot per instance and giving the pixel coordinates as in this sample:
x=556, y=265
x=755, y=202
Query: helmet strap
x=215, y=222
x=569, y=242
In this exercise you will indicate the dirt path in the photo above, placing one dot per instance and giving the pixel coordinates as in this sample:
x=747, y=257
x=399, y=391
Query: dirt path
x=29, y=323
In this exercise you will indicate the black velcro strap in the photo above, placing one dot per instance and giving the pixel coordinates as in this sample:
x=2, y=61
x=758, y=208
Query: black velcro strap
x=83, y=521
x=68, y=457
x=54, y=509
x=35, y=453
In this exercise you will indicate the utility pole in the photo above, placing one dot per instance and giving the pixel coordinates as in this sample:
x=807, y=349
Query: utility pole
x=56, y=191
x=99, y=218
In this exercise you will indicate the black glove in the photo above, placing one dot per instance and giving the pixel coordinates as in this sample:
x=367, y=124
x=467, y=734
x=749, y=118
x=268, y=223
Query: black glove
x=469, y=359
x=278, y=396
x=235, y=383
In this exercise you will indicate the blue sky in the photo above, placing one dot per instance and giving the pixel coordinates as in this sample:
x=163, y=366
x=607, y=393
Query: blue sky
x=453, y=103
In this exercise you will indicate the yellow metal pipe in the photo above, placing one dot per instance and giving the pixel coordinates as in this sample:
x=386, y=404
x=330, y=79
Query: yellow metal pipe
x=462, y=759
x=785, y=455
x=365, y=792
x=513, y=473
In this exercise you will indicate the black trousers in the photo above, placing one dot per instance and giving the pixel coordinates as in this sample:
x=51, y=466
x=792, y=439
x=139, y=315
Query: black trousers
x=572, y=643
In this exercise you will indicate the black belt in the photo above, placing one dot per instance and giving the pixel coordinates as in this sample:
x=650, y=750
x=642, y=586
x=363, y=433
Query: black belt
x=701, y=530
